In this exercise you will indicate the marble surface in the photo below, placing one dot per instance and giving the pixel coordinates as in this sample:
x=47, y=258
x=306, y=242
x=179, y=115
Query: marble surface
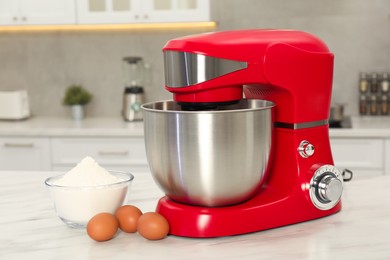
x=30, y=229
x=62, y=126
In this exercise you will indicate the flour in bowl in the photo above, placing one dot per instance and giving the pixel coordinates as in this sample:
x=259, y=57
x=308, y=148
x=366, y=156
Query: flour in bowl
x=87, y=173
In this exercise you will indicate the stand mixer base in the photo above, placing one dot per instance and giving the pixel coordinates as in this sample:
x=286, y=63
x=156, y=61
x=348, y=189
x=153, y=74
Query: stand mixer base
x=247, y=217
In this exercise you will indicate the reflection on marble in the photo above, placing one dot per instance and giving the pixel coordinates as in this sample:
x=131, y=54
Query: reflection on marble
x=29, y=228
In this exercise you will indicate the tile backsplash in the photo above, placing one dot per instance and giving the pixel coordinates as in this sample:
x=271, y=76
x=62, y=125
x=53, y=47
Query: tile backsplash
x=46, y=63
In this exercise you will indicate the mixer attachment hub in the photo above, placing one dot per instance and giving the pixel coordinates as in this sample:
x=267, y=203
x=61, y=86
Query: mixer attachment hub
x=202, y=106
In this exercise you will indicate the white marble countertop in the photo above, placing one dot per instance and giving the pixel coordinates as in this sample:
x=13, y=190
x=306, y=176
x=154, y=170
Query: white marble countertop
x=61, y=126
x=29, y=228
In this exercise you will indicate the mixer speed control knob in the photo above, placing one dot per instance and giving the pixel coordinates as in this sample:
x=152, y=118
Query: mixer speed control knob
x=326, y=187
x=330, y=188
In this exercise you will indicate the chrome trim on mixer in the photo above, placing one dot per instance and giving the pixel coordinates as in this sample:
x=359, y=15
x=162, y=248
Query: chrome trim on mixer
x=306, y=149
x=184, y=69
x=301, y=125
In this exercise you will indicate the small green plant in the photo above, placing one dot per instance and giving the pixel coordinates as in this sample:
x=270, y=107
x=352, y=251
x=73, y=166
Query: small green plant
x=76, y=95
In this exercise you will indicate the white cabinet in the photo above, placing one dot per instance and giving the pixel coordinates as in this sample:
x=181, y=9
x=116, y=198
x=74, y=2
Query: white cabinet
x=9, y=12
x=40, y=12
x=25, y=154
x=177, y=10
x=125, y=154
x=365, y=157
x=108, y=11
x=62, y=154
x=36, y=12
x=141, y=11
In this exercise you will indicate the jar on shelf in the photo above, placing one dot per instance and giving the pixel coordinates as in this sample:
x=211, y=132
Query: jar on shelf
x=385, y=83
x=373, y=105
x=374, y=86
x=363, y=105
x=384, y=105
x=363, y=83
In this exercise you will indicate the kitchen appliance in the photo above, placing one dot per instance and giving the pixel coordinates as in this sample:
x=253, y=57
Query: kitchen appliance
x=337, y=119
x=133, y=96
x=298, y=182
x=14, y=105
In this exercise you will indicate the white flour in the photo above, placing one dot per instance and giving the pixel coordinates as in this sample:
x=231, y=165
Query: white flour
x=87, y=173
x=77, y=206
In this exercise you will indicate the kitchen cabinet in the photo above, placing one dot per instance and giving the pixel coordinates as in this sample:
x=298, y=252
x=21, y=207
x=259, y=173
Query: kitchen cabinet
x=125, y=154
x=20, y=153
x=108, y=11
x=364, y=156
x=37, y=12
x=43, y=12
x=177, y=10
x=60, y=143
x=141, y=11
x=63, y=153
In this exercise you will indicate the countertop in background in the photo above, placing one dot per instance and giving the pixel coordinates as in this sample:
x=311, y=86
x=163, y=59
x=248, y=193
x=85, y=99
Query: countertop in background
x=30, y=228
x=60, y=126
x=370, y=127
x=364, y=127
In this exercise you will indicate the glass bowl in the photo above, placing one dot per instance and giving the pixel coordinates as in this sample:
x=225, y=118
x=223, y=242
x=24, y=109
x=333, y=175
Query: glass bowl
x=77, y=205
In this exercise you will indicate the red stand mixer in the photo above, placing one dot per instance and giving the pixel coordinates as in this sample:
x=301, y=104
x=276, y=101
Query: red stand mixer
x=291, y=69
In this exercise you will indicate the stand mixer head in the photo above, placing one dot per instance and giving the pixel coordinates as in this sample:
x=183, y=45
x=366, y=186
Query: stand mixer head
x=291, y=68
x=212, y=72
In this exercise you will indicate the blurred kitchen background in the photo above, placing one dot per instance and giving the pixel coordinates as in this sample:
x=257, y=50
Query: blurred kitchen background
x=46, y=63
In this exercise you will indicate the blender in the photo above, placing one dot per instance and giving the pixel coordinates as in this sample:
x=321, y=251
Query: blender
x=232, y=165
x=133, y=96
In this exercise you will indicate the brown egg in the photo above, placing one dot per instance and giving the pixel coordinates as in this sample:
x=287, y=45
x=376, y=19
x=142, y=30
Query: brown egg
x=153, y=226
x=128, y=216
x=102, y=227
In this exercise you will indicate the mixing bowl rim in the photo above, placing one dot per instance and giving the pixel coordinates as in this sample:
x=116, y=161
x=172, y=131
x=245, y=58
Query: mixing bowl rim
x=126, y=177
x=269, y=105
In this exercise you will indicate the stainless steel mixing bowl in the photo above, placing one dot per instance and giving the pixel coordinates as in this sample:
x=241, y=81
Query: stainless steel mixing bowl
x=209, y=158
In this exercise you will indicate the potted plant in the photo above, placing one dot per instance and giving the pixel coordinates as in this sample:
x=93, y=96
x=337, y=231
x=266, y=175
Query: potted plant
x=77, y=97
